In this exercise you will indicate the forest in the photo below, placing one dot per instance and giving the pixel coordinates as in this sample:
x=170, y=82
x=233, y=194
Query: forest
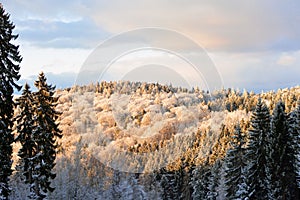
x=137, y=140
x=132, y=140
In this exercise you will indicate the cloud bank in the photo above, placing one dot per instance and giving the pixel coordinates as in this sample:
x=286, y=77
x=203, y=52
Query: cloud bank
x=253, y=43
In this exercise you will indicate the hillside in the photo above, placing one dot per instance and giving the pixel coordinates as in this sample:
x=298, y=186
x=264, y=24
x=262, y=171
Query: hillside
x=122, y=138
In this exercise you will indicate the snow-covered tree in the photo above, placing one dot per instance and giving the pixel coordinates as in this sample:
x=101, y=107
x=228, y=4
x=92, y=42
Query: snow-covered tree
x=213, y=181
x=9, y=74
x=200, y=181
x=257, y=153
x=294, y=133
x=25, y=125
x=167, y=182
x=235, y=160
x=44, y=136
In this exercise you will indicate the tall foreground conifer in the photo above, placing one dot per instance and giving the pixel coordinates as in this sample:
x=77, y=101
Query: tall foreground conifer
x=9, y=75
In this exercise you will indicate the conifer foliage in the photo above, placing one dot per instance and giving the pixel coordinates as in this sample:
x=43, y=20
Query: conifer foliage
x=38, y=130
x=282, y=157
x=9, y=74
x=294, y=131
x=257, y=153
x=25, y=127
x=45, y=134
x=235, y=167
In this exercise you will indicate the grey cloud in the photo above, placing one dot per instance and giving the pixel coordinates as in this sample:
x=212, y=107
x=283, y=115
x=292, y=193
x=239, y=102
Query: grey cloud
x=231, y=25
x=77, y=34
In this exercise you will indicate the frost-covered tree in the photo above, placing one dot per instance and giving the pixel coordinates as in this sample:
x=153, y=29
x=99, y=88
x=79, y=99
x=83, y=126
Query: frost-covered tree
x=167, y=182
x=282, y=157
x=9, y=74
x=257, y=153
x=25, y=125
x=294, y=133
x=200, y=181
x=235, y=161
x=213, y=181
x=44, y=136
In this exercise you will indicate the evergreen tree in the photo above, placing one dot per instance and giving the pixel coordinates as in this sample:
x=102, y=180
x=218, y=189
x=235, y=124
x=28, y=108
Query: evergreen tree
x=257, y=154
x=282, y=161
x=200, y=181
x=166, y=182
x=235, y=167
x=294, y=133
x=25, y=127
x=213, y=181
x=9, y=74
x=44, y=135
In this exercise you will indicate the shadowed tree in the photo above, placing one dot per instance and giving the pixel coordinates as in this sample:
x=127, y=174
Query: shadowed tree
x=44, y=136
x=9, y=74
x=235, y=167
x=25, y=125
x=257, y=153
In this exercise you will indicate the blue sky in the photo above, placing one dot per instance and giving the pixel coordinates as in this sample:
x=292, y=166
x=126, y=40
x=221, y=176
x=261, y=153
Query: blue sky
x=253, y=44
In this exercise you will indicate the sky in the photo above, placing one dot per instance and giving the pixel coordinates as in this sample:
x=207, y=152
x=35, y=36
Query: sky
x=252, y=44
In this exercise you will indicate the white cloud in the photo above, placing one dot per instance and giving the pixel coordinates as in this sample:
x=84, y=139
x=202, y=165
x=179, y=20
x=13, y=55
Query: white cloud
x=231, y=25
x=286, y=60
x=37, y=59
x=249, y=40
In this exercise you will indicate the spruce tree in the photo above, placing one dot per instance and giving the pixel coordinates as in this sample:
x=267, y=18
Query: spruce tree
x=282, y=160
x=257, y=153
x=235, y=161
x=213, y=180
x=294, y=132
x=44, y=135
x=9, y=74
x=25, y=126
x=166, y=183
x=200, y=181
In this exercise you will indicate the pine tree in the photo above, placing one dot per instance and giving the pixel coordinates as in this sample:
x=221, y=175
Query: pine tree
x=44, y=135
x=235, y=167
x=257, y=154
x=25, y=125
x=9, y=74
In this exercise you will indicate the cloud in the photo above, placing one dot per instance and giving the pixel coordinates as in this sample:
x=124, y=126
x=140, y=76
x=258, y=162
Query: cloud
x=257, y=71
x=286, y=60
x=224, y=26
x=250, y=41
x=36, y=59
x=56, y=24
x=59, y=34
x=233, y=25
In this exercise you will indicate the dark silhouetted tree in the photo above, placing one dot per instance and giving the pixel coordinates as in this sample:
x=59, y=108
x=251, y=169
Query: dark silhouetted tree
x=9, y=74
x=25, y=125
x=44, y=136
